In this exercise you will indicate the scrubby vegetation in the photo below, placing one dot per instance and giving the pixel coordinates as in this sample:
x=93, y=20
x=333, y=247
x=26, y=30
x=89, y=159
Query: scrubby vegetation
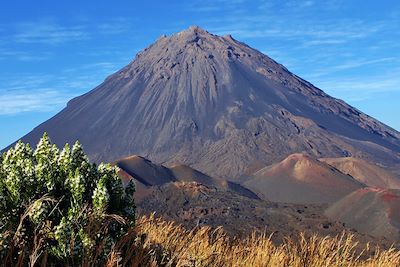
x=57, y=209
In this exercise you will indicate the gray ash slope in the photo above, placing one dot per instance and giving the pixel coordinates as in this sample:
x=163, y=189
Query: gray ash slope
x=218, y=105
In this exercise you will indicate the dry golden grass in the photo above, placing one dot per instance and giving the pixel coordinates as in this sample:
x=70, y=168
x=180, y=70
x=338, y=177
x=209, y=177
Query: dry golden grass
x=206, y=247
x=155, y=242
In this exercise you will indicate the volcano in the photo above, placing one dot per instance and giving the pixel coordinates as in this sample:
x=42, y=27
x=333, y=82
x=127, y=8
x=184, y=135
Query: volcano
x=301, y=179
x=219, y=106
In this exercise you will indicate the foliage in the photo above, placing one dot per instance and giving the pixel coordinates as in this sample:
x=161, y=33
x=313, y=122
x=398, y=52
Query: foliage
x=56, y=203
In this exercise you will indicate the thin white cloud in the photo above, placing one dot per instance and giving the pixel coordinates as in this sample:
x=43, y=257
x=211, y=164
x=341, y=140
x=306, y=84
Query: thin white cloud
x=324, y=42
x=27, y=93
x=362, y=87
x=254, y=27
x=308, y=3
x=116, y=25
x=13, y=102
x=23, y=55
x=212, y=5
x=348, y=65
x=299, y=3
x=371, y=85
x=361, y=63
x=48, y=33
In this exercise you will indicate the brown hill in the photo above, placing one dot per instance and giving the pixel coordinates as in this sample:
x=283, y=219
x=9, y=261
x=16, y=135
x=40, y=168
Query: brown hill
x=193, y=204
x=301, y=179
x=370, y=210
x=145, y=171
x=184, y=173
x=218, y=105
x=365, y=172
x=148, y=174
x=141, y=190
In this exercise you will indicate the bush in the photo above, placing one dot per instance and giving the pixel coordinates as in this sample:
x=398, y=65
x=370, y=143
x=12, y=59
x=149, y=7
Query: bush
x=56, y=206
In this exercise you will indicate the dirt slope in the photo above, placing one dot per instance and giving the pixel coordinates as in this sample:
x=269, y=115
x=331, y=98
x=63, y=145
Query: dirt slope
x=365, y=172
x=370, y=210
x=301, y=179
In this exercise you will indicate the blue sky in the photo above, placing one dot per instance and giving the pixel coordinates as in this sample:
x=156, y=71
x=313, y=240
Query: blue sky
x=51, y=51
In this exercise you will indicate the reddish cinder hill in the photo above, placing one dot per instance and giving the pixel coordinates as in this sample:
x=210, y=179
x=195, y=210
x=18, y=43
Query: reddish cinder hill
x=218, y=105
x=301, y=179
x=370, y=210
x=365, y=172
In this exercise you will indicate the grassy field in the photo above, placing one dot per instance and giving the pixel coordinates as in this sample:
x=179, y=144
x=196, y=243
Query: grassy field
x=207, y=247
x=155, y=242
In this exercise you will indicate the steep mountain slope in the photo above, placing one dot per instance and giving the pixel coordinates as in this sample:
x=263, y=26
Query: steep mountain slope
x=301, y=179
x=370, y=210
x=148, y=174
x=218, y=105
x=365, y=172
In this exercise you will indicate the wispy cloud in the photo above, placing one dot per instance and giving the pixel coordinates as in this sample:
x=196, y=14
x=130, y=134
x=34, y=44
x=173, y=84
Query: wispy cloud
x=376, y=84
x=324, y=42
x=329, y=70
x=116, y=26
x=299, y=3
x=29, y=93
x=308, y=3
x=27, y=84
x=26, y=56
x=361, y=63
x=361, y=87
x=45, y=99
x=328, y=32
x=51, y=32
x=48, y=32
x=212, y=5
x=42, y=92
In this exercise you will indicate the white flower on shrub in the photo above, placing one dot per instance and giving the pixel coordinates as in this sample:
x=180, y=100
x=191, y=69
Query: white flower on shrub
x=60, y=195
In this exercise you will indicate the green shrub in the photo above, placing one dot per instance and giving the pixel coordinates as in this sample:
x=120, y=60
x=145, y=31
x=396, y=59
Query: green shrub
x=58, y=203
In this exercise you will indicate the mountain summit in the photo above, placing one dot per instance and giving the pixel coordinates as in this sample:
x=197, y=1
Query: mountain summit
x=218, y=105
